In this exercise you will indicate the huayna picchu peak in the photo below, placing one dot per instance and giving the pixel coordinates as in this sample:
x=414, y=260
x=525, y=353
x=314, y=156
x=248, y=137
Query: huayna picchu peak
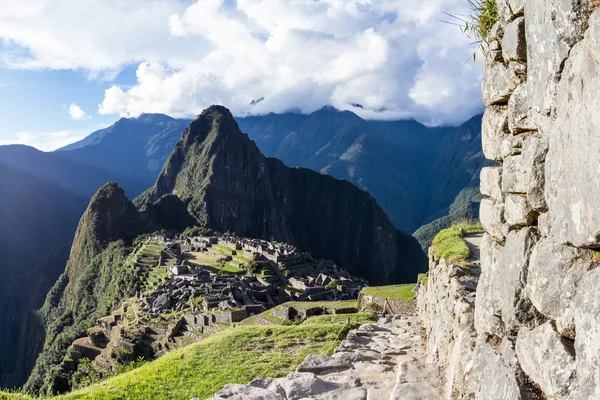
x=227, y=184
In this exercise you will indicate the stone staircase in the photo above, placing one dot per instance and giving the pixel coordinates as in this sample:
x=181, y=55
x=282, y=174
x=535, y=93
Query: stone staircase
x=375, y=362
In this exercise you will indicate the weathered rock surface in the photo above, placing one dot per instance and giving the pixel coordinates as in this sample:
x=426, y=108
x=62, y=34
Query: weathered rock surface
x=491, y=182
x=494, y=129
x=491, y=214
x=517, y=211
x=519, y=111
x=587, y=345
x=552, y=28
x=499, y=81
x=573, y=182
x=514, y=47
x=548, y=359
x=553, y=276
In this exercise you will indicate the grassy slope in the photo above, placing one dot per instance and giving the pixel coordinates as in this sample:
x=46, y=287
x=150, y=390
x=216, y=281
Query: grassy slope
x=357, y=318
x=398, y=292
x=236, y=355
x=448, y=243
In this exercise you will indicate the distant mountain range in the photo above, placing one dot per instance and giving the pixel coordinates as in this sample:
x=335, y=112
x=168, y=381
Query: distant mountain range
x=414, y=172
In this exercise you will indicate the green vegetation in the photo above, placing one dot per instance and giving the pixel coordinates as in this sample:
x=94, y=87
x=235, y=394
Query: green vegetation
x=479, y=22
x=465, y=207
x=333, y=284
x=397, y=292
x=355, y=319
x=194, y=231
x=448, y=243
x=327, y=305
x=423, y=278
x=236, y=355
x=100, y=287
x=252, y=267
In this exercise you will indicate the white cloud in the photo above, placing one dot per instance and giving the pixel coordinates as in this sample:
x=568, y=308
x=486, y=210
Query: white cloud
x=45, y=141
x=76, y=113
x=394, y=57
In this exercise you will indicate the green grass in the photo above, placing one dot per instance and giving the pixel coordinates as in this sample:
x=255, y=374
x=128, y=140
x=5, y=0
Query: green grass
x=228, y=268
x=235, y=355
x=9, y=395
x=448, y=243
x=477, y=25
x=397, y=292
x=329, y=305
x=267, y=315
x=356, y=318
x=423, y=278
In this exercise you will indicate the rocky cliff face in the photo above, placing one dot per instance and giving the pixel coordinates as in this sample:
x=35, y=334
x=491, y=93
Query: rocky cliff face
x=536, y=317
x=228, y=185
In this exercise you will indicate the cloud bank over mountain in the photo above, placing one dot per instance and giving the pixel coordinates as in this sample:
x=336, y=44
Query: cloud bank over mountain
x=383, y=59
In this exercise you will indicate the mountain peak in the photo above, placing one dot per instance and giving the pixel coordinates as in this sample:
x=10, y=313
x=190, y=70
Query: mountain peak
x=153, y=118
x=214, y=121
x=109, y=216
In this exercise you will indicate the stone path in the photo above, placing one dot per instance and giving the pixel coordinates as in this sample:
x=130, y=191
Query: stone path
x=376, y=361
x=474, y=243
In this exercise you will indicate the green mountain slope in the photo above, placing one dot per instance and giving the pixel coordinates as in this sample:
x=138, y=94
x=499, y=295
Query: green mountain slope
x=94, y=282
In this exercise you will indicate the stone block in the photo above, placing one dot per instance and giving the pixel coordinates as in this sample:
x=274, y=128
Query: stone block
x=535, y=148
x=499, y=81
x=487, y=309
x=553, y=276
x=516, y=6
x=491, y=215
x=519, y=111
x=499, y=372
x=573, y=162
x=511, y=279
x=491, y=181
x=544, y=224
x=548, y=359
x=517, y=211
x=554, y=26
x=515, y=175
x=511, y=146
x=514, y=46
x=587, y=345
x=494, y=129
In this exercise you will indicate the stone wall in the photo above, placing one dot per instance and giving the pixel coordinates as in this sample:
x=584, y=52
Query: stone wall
x=446, y=306
x=370, y=303
x=537, y=310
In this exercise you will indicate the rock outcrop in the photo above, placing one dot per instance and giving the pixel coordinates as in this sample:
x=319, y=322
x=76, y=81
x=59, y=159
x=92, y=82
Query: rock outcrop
x=226, y=184
x=533, y=331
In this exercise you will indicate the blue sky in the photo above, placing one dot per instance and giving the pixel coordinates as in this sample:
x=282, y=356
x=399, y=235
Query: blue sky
x=69, y=68
x=35, y=103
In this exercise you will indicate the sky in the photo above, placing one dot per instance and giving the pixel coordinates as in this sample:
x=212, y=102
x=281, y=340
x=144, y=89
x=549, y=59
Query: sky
x=69, y=68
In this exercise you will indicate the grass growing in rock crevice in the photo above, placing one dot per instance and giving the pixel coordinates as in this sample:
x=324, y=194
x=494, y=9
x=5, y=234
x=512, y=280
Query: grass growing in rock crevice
x=478, y=23
x=449, y=244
